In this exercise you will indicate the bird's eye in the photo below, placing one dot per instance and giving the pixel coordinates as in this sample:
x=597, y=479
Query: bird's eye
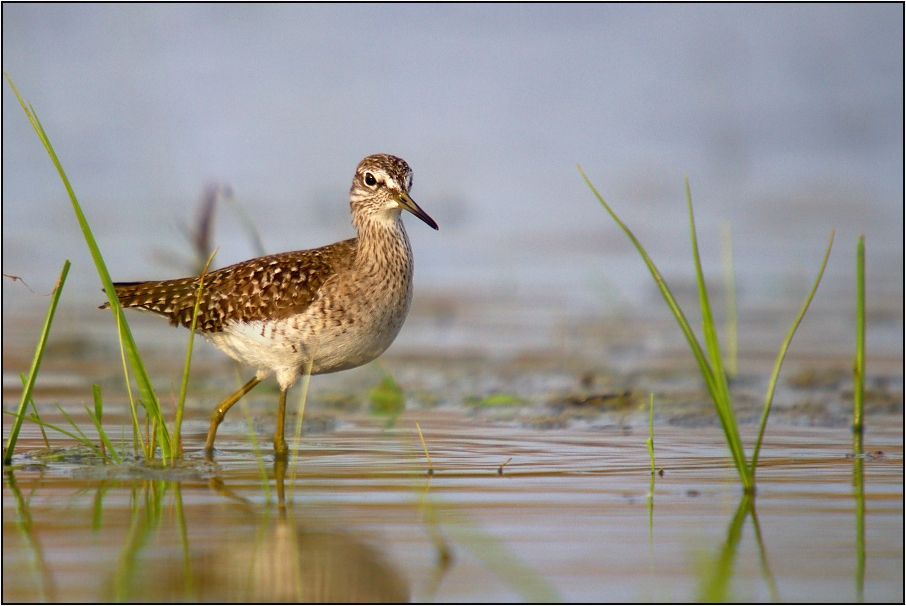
x=370, y=180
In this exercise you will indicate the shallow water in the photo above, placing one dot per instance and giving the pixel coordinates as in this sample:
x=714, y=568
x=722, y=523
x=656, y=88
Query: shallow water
x=568, y=517
x=535, y=418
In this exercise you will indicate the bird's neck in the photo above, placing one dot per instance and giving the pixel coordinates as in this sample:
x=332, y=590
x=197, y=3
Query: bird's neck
x=383, y=245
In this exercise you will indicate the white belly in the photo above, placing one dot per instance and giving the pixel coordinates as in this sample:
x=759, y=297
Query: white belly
x=284, y=347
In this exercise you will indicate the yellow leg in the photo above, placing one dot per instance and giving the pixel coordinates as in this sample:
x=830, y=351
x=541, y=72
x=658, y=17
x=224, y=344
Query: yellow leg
x=281, y=451
x=221, y=411
x=279, y=479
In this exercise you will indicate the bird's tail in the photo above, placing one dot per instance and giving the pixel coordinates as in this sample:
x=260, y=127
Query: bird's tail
x=174, y=299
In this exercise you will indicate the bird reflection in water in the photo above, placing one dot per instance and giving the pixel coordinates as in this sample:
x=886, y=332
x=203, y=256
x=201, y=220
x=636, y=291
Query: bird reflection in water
x=281, y=562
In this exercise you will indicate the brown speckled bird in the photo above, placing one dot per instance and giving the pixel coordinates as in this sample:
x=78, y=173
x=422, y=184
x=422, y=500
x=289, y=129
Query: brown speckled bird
x=338, y=306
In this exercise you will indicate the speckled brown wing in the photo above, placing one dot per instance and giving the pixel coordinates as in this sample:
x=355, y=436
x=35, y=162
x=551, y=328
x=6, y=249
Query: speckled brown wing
x=271, y=287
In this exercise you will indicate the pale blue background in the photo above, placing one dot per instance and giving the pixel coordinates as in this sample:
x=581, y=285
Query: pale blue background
x=787, y=119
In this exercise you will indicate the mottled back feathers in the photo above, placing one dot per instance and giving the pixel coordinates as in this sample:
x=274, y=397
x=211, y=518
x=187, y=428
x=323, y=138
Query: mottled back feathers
x=271, y=287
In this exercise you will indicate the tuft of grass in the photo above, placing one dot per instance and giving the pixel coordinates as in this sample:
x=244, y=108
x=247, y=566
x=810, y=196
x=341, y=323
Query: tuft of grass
x=711, y=365
x=35, y=366
x=148, y=395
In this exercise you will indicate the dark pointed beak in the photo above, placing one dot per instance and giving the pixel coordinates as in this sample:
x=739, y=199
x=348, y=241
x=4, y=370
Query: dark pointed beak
x=410, y=205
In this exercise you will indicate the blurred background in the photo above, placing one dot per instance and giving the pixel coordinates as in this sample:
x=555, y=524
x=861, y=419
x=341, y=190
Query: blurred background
x=787, y=119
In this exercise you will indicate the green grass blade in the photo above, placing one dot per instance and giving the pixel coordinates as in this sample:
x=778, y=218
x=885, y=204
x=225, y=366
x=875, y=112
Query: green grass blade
x=772, y=384
x=35, y=366
x=84, y=439
x=152, y=436
x=722, y=402
x=98, y=402
x=859, y=366
x=105, y=442
x=99, y=411
x=180, y=407
x=138, y=367
x=428, y=454
x=97, y=425
x=137, y=439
